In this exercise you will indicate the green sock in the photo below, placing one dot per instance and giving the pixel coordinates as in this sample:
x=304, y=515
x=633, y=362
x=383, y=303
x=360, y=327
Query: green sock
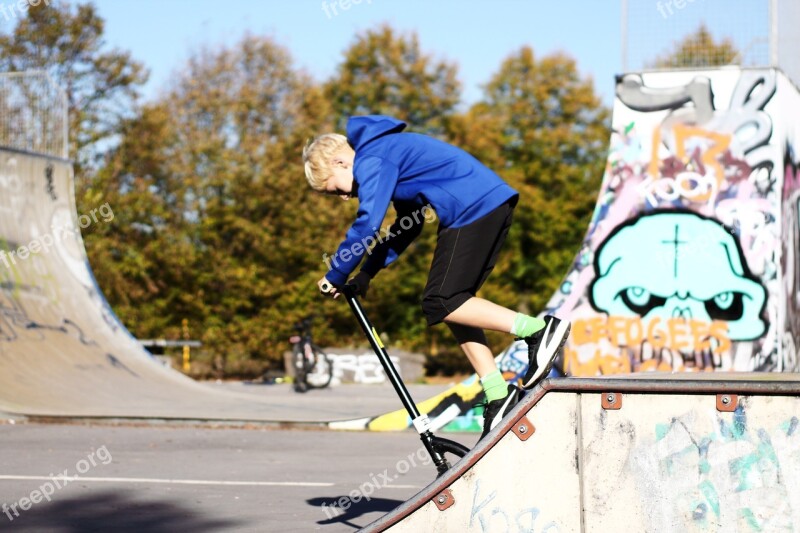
x=494, y=386
x=525, y=325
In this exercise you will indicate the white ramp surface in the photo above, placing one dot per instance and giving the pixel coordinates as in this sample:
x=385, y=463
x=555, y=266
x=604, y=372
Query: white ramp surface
x=656, y=453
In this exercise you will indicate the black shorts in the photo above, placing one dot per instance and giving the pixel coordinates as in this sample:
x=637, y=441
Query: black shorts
x=463, y=259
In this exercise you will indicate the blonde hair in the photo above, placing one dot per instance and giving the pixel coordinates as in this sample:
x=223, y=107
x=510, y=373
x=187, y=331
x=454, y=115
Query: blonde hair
x=317, y=157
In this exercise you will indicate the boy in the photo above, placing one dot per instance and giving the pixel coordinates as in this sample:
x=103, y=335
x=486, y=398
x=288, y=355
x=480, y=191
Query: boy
x=379, y=164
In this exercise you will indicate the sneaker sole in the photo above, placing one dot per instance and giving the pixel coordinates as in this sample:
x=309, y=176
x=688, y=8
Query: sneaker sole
x=543, y=370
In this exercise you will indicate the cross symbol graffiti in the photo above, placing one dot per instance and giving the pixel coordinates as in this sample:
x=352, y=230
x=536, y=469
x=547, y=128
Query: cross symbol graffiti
x=675, y=242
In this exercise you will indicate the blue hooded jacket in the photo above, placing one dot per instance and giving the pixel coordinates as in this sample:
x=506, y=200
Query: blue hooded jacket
x=412, y=171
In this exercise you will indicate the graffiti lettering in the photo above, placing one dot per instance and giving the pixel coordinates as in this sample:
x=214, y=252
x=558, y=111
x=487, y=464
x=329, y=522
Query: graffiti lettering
x=697, y=176
x=499, y=519
x=360, y=368
x=674, y=333
x=689, y=185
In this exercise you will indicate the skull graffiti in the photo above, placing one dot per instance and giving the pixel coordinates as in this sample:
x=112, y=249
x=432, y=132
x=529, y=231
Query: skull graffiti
x=678, y=265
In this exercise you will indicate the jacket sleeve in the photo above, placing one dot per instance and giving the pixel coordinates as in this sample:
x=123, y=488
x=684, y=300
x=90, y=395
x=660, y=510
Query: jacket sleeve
x=377, y=180
x=406, y=227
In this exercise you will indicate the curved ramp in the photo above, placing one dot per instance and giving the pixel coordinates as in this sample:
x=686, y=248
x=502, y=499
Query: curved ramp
x=657, y=453
x=690, y=260
x=63, y=353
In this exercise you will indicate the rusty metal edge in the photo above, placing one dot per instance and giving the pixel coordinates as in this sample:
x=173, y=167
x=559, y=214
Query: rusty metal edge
x=640, y=385
x=673, y=386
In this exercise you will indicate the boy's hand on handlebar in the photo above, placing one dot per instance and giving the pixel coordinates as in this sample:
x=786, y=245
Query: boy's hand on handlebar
x=360, y=284
x=327, y=288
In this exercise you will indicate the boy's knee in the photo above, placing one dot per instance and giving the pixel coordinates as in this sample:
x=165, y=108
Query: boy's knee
x=436, y=307
x=433, y=308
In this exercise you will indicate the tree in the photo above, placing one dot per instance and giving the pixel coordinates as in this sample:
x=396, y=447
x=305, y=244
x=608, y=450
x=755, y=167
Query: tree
x=699, y=50
x=143, y=259
x=101, y=85
x=386, y=73
x=219, y=225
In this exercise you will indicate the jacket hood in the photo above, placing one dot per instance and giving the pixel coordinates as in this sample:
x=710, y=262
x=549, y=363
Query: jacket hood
x=362, y=130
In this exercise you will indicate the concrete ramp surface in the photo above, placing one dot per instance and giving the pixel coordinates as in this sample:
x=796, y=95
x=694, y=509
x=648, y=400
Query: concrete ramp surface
x=62, y=350
x=655, y=454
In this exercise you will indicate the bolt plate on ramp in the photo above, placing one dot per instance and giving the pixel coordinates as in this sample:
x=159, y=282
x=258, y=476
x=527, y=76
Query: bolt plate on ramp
x=444, y=500
x=727, y=403
x=523, y=429
x=611, y=401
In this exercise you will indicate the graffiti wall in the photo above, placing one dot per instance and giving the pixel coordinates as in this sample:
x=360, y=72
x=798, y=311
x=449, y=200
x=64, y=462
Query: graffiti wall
x=690, y=261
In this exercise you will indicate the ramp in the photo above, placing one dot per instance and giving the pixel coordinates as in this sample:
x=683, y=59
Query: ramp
x=63, y=353
x=655, y=453
x=690, y=261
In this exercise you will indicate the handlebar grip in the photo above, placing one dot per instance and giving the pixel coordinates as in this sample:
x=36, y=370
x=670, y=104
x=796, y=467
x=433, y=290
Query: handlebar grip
x=326, y=287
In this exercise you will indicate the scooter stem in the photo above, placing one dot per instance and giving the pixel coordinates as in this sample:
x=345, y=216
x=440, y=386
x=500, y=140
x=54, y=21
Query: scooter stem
x=421, y=422
x=383, y=355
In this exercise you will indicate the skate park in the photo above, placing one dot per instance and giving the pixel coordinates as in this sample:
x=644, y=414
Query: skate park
x=674, y=406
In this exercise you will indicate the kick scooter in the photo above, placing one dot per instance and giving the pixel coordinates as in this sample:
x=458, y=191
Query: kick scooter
x=437, y=447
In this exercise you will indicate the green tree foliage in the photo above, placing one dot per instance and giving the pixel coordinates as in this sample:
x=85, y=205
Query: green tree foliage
x=240, y=237
x=385, y=72
x=144, y=259
x=101, y=85
x=699, y=50
x=214, y=221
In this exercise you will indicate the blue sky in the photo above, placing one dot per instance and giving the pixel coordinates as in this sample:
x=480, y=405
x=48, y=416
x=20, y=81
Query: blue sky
x=476, y=34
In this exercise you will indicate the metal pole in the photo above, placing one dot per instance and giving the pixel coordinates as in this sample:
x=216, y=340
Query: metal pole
x=624, y=31
x=773, y=33
x=421, y=423
x=383, y=356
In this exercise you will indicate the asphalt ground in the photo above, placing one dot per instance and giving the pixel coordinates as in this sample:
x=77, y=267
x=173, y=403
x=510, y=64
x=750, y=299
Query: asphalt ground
x=163, y=478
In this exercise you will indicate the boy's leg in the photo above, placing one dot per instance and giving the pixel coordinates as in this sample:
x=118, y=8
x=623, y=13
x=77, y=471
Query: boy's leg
x=544, y=338
x=500, y=396
x=463, y=259
x=476, y=347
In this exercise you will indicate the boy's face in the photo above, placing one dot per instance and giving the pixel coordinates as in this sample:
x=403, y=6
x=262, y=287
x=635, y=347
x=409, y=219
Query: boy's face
x=341, y=181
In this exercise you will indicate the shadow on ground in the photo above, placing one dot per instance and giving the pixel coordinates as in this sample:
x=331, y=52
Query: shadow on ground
x=114, y=511
x=335, y=514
